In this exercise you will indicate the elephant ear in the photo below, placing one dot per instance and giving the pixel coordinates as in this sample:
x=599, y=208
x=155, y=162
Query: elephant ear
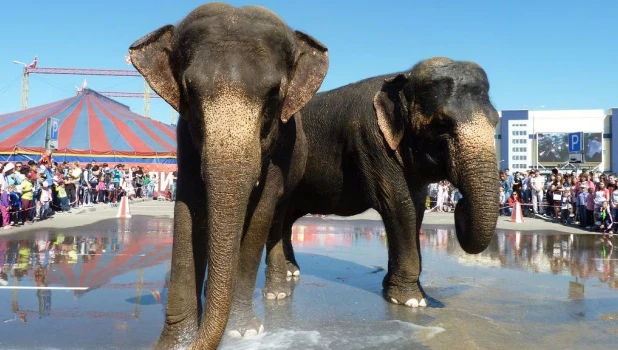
x=390, y=111
x=150, y=55
x=310, y=66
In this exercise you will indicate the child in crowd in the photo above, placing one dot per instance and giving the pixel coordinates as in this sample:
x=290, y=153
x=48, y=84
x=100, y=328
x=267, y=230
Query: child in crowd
x=62, y=195
x=101, y=190
x=565, y=215
x=45, y=198
x=604, y=219
x=15, y=201
x=581, y=205
x=502, y=201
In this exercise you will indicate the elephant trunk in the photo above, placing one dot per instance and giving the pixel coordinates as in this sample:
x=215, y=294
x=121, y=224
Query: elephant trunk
x=230, y=168
x=475, y=175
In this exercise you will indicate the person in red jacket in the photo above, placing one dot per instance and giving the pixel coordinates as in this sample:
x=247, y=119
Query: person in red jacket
x=514, y=198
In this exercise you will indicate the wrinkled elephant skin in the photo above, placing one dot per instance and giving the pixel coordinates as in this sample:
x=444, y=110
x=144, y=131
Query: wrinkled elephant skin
x=379, y=142
x=237, y=76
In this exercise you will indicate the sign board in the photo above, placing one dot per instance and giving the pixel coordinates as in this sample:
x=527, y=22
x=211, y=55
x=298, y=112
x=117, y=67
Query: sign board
x=575, y=158
x=53, y=126
x=575, y=142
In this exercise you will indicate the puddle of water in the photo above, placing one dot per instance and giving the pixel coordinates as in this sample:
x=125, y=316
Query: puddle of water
x=523, y=286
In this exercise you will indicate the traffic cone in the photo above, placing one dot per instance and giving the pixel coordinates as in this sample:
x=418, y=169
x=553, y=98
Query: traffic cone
x=517, y=215
x=123, y=208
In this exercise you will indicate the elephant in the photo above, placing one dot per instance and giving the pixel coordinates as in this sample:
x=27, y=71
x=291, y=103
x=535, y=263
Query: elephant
x=237, y=77
x=378, y=143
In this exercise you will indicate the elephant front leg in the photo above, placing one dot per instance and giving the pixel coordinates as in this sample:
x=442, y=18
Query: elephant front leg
x=402, y=219
x=184, y=306
x=243, y=320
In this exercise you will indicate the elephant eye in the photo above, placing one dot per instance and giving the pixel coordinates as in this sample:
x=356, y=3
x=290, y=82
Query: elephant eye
x=443, y=127
x=274, y=93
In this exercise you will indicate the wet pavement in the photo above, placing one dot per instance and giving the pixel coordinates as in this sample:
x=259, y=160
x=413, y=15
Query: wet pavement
x=104, y=287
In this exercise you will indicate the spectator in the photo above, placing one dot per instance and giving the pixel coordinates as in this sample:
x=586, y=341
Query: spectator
x=582, y=199
x=601, y=195
x=27, y=197
x=537, y=192
x=152, y=185
x=62, y=195
x=517, y=184
x=605, y=220
x=503, y=208
x=613, y=204
x=173, y=185
x=590, y=208
x=45, y=199
x=514, y=198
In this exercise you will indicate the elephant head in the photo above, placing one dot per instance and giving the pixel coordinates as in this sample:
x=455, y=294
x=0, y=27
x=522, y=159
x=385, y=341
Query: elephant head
x=439, y=120
x=234, y=75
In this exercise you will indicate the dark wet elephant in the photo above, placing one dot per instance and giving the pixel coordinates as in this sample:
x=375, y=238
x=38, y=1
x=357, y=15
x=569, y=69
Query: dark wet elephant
x=236, y=76
x=378, y=143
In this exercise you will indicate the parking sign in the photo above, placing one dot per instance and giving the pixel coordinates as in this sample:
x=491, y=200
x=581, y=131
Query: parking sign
x=575, y=142
x=54, y=130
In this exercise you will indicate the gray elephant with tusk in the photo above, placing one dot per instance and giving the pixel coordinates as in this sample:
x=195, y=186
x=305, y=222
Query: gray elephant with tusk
x=237, y=76
x=377, y=144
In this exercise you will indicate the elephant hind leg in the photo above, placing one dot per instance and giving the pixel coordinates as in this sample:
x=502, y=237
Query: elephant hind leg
x=279, y=271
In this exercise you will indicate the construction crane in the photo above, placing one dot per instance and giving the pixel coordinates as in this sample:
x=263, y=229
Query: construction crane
x=32, y=69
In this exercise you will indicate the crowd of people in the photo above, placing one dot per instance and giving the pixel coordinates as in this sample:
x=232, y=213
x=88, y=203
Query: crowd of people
x=36, y=190
x=588, y=199
x=442, y=197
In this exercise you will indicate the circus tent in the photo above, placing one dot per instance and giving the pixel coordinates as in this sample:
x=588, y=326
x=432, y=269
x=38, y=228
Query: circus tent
x=91, y=127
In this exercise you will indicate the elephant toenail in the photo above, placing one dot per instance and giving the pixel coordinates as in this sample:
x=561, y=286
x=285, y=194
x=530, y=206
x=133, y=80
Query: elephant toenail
x=394, y=301
x=271, y=296
x=297, y=273
x=288, y=279
x=251, y=333
x=234, y=334
x=422, y=303
x=281, y=295
x=261, y=329
x=289, y=273
x=412, y=302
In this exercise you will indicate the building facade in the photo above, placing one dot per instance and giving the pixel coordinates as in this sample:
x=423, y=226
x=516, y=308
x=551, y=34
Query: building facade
x=528, y=139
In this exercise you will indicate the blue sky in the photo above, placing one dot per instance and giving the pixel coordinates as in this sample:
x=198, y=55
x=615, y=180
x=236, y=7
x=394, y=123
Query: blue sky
x=559, y=54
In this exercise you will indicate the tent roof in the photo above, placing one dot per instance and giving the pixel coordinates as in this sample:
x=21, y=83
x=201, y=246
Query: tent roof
x=88, y=122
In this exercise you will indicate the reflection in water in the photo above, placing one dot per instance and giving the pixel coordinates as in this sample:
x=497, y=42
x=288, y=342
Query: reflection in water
x=336, y=233
x=53, y=259
x=581, y=256
x=122, y=269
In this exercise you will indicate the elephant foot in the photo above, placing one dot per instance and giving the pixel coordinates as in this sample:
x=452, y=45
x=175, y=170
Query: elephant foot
x=168, y=341
x=293, y=270
x=248, y=326
x=411, y=295
x=276, y=289
x=177, y=334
